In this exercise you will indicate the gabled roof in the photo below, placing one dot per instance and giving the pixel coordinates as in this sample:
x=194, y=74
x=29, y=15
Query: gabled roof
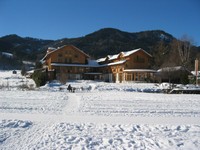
x=111, y=57
x=59, y=48
x=125, y=54
x=101, y=59
x=172, y=69
x=128, y=53
x=176, y=68
x=113, y=63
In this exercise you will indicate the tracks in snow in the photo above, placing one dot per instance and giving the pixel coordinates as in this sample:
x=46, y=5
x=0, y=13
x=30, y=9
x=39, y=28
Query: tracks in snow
x=71, y=113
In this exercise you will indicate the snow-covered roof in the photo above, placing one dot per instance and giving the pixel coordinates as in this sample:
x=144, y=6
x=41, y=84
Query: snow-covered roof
x=113, y=63
x=111, y=57
x=73, y=65
x=49, y=52
x=139, y=70
x=28, y=62
x=54, y=50
x=90, y=64
x=176, y=68
x=172, y=69
x=51, y=48
x=101, y=59
x=128, y=53
x=125, y=54
x=194, y=73
x=30, y=72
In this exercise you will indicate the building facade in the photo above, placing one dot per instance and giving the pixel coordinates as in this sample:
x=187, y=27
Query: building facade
x=70, y=63
x=128, y=66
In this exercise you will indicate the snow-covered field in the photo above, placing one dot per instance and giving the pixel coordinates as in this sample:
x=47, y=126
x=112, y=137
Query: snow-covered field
x=97, y=116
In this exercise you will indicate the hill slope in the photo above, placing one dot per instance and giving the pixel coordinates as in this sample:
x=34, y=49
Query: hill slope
x=111, y=41
x=97, y=44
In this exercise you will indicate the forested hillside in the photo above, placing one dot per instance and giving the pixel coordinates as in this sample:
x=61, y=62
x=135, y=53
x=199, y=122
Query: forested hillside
x=108, y=41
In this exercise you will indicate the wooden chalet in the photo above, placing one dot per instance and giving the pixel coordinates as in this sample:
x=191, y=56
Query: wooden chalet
x=70, y=63
x=127, y=66
x=65, y=63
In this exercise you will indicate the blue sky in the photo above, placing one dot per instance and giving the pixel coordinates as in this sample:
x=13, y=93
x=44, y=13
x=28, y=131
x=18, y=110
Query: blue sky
x=56, y=19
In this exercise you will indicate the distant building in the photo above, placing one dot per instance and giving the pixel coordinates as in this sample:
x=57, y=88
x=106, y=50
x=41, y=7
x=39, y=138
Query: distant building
x=70, y=63
x=177, y=74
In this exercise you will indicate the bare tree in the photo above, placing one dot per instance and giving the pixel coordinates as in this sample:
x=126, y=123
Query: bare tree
x=178, y=55
x=159, y=54
x=184, y=46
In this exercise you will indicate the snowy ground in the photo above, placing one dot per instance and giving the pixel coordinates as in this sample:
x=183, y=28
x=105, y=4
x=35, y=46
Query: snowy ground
x=97, y=116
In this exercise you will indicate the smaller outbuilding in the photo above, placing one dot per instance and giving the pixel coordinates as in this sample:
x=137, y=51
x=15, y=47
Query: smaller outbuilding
x=177, y=74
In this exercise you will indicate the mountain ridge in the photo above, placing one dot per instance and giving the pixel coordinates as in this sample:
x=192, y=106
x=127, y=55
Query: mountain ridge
x=103, y=42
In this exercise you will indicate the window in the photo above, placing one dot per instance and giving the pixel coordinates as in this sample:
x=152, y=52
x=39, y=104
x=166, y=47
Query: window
x=139, y=59
x=60, y=55
x=66, y=60
x=76, y=55
x=70, y=60
x=81, y=69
